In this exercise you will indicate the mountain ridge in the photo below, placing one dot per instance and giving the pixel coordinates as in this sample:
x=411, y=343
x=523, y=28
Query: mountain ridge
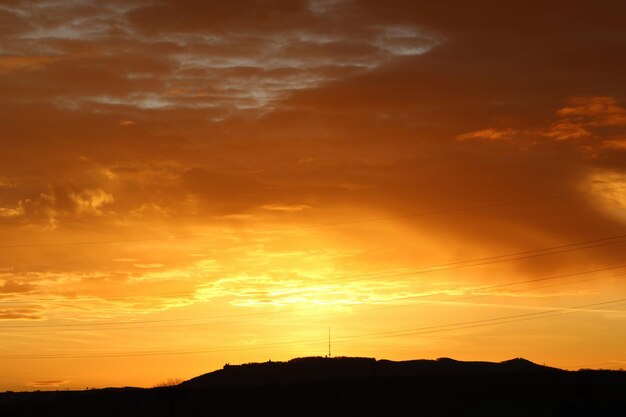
x=319, y=368
x=312, y=386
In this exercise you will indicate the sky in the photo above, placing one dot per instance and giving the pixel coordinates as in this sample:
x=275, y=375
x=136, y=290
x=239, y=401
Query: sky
x=185, y=184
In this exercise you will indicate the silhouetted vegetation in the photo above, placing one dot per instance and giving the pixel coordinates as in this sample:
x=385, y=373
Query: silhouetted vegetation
x=170, y=382
x=350, y=386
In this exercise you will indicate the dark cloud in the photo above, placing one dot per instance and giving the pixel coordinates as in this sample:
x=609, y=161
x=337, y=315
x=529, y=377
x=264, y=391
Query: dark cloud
x=185, y=113
x=15, y=287
x=19, y=313
x=48, y=383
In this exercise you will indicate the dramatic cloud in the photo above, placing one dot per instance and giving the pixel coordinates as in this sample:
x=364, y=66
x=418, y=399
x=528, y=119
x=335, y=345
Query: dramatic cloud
x=595, y=124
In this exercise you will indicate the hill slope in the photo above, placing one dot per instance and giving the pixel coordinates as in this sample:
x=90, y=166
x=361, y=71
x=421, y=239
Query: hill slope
x=350, y=386
x=341, y=368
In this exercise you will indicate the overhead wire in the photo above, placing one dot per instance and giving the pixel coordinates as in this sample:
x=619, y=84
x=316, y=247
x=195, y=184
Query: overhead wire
x=433, y=268
x=589, y=244
x=397, y=333
x=211, y=319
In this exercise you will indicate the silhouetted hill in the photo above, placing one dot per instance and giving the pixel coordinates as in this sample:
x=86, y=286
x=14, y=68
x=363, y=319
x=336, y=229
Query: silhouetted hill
x=321, y=368
x=350, y=386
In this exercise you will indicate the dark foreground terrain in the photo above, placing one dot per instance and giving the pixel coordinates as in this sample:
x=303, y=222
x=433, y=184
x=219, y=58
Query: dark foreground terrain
x=350, y=387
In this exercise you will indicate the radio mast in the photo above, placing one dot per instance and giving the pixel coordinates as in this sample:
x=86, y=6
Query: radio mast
x=329, y=342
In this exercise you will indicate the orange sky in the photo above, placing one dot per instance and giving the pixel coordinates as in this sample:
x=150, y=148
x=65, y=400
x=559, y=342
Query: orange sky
x=185, y=184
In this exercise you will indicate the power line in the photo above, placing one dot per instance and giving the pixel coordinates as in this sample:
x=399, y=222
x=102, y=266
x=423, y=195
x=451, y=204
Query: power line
x=420, y=300
x=588, y=244
x=490, y=287
x=504, y=258
x=397, y=333
x=497, y=320
x=87, y=326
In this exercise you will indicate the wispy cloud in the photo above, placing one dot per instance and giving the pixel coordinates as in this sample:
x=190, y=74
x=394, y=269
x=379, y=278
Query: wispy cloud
x=285, y=207
x=54, y=383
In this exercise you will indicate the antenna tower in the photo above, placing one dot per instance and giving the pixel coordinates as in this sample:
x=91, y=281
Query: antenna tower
x=329, y=342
